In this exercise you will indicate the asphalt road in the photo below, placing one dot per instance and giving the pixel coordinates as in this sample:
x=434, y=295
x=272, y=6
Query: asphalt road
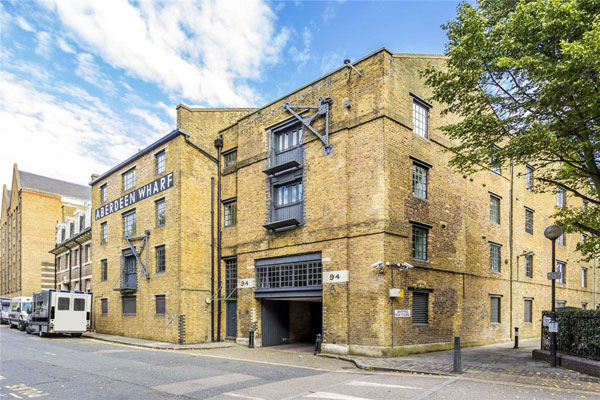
x=69, y=368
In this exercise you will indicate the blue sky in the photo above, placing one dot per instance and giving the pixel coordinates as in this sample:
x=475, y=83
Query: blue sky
x=84, y=84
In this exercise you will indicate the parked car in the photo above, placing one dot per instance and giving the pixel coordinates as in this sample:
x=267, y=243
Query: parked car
x=5, y=303
x=20, y=308
x=60, y=312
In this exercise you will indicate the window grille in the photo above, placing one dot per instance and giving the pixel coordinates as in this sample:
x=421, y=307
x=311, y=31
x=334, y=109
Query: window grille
x=129, y=179
x=129, y=306
x=129, y=223
x=161, y=160
x=419, y=243
x=494, y=163
x=584, y=277
x=529, y=221
x=290, y=275
x=495, y=257
x=104, y=270
x=561, y=240
x=560, y=197
x=562, y=268
x=104, y=232
x=420, y=308
x=161, y=213
x=160, y=259
x=231, y=278
x=419, y=181
x=229, y=213
x=528, y=311
x=104, y=303
x=495, y=309
x=420, y=119
x=529, y=266
x=103, y=193
x=230, y=159
x=561, y=303
x=160, y=304
x=495, y=210
x=528, y=178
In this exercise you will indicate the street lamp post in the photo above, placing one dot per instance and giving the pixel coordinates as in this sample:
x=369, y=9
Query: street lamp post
x=553, y=232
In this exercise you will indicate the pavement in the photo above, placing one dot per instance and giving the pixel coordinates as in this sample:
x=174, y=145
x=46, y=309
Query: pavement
x=75, y=368
x=152, y=344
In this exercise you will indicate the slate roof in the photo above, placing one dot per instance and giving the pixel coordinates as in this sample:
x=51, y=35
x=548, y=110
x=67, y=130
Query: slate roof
x=50, y=185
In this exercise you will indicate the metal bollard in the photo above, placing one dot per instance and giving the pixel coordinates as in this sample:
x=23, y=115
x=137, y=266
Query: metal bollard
x=457, y=358
x=251, y=340
x=318, y=344
x=516, y=337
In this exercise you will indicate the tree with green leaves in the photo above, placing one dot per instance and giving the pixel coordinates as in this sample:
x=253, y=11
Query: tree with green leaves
x=524, y=78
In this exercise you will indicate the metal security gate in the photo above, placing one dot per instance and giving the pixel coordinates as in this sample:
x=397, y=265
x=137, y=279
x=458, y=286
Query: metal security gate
x=231, y=321
x=275, y=322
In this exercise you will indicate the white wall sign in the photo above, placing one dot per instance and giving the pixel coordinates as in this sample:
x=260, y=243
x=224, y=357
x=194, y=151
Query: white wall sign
x=553, y=327
x=402, y=313
x=546, y=320
x=246, y=283
x=335, y=276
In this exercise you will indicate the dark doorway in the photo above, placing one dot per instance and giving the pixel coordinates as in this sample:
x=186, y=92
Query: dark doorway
x=291, y=321
x=275, y=322
x=231, y=321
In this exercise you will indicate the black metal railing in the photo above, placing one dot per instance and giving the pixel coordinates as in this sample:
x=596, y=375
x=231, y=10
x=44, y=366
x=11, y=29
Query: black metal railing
x=578, y=333
x=286, y=276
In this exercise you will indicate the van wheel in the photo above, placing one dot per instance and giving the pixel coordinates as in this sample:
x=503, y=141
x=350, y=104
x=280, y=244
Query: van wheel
x=21, y=326
x=42, y=334
x=76, y=334
x=10, y=325
x=28, y=330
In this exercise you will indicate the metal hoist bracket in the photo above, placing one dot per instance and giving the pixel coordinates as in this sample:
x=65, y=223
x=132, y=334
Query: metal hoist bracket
x=321, y=109
x=137, y=253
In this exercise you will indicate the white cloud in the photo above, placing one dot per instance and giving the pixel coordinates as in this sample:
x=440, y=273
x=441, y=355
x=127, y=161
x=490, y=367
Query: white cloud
x=158, y=126
x=64, y=137
x=331, y=61
x=89, y=71
x=44, y=43
x=205, y=52
x=302, y=57
x=64, y=46
x=23, y=24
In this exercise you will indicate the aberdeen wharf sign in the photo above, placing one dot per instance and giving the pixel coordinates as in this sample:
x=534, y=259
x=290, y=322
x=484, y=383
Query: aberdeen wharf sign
x=149, y=189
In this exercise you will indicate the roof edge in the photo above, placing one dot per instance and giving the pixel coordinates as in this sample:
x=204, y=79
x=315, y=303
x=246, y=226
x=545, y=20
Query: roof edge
x=214, y=109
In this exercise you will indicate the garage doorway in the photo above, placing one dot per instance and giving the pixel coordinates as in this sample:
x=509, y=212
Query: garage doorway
x=291, y=321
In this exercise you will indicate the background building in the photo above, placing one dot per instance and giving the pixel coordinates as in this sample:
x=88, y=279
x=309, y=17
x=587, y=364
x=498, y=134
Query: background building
x=73, y=252
x=30, y=211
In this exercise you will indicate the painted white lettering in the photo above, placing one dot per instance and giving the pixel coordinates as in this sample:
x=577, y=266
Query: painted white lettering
x=101, y=212
x=126, y=200
x=141, y=192
x=97, y=214
x=120, y=203
x=116, y=203
x=163, y=180
x=170, y=180
x=110, y=208
x=155, y=190
x=131, y=197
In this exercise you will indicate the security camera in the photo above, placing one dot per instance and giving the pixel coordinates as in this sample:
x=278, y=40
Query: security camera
x=406, y=265
x=378, y=264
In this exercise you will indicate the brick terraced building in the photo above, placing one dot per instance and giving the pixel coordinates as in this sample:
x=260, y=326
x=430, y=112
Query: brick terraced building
x=30, y=211
x=338, y=215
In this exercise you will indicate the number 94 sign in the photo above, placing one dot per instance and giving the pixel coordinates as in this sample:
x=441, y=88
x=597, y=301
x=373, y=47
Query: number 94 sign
x=335, y=276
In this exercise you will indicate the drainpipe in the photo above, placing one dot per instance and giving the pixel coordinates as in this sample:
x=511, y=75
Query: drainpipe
x=510, y=246
x=70, y=265
x=212, y=259
x=55, y=271
x=219, y=146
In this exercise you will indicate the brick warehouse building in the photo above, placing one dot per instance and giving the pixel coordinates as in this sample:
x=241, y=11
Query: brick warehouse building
x=30, y=211
x=316, y=202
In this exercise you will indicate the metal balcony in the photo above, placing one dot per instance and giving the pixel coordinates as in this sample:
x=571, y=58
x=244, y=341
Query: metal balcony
x=283, y=160
x=128, y=282
x=285, y=216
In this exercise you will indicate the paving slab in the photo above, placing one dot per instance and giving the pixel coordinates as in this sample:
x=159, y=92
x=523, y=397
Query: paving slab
x=151, y=344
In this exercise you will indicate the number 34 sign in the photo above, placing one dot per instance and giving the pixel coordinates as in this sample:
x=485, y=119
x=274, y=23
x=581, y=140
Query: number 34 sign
x=335, y=276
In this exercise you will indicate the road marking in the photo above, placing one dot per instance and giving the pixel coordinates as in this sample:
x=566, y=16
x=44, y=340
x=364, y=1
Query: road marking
x=381, y=385
x=181, y=388
x=434, y=389
x=242, y=396
x=335, y=396
x=50, y=354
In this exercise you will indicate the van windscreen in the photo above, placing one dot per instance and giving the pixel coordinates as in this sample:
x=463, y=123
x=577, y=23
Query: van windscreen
x=27, y=307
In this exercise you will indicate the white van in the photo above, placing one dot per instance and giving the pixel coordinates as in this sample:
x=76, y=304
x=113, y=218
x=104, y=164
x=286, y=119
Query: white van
x=19, y=310
x=61, y=312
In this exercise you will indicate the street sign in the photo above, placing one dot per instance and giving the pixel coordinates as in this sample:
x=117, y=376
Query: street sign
x=402, y=313
x=553, y=327
x=394, y=292
x=546, y=320
x=554, y=275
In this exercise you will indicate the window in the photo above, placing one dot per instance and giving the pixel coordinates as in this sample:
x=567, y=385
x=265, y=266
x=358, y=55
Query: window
x=420, y=308
x=161, y=159
x=420, y=234
x=81, y=223
x=161, y=214
x=420, y=118
x=129, y=179
x=288, y=139
x=529, y=266
x=230, y=158
x=561, y=267
x=103, y=270
x=160, y=259
x=419, y=180
x=495, y=309
x=494, y=163
x=528, y=311
x=231, y=278
x=104, y=303
x=62, y=234
x=160, y=304
x=103, y=232
x=584, y=206
x=229, y=213
x=584, y=277
x=129, y=223
x=64, y=303
x=561, y=240
x=79, y=304
x=128, y=303
x=71, y=229
x=561, y=303
x=288, y=194
x=103, y=193
x=529, y=221
x=494, y=209
x=560, y=197
x=495, y=257
x=528, y=178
